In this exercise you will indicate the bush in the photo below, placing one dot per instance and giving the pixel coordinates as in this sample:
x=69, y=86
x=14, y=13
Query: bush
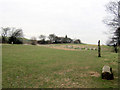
x=15, y=40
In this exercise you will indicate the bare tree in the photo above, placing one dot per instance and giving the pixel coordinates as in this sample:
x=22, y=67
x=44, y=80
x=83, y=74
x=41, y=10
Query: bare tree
x=4, y=34
x=112, y=21
x=16, y=36
x=42, y=37
x=16, y=32
x=52, y=38
x=33, y=41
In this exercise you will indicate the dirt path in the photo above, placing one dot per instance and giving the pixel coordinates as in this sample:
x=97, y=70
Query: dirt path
x=69, y=47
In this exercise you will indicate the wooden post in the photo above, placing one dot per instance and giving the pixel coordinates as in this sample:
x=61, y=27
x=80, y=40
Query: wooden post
x=99, y=49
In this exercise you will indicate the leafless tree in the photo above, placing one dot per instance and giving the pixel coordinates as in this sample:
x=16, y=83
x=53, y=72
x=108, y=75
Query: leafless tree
x=4, y=34
x=52, y=38
x=42, y=37
x=33, y=41
x=112, y=21
x=15, y=36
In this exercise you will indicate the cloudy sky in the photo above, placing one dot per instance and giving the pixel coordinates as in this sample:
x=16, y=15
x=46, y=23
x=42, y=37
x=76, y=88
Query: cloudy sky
x=76, y=18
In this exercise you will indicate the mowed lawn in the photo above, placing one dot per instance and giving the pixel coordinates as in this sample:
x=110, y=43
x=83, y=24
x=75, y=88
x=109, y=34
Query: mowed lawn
x=27, y=66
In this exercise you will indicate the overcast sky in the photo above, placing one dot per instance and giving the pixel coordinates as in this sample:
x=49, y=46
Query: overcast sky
x=75, y=18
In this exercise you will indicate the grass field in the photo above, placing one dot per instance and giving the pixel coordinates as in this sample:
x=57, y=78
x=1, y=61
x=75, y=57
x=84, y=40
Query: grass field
x=27, y=66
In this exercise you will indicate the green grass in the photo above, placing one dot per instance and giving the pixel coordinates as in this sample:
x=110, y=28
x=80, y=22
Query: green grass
x=27, y=66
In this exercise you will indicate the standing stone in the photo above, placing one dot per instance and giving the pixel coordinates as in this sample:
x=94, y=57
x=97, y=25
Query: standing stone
x=107, y=73
x=115, y=47
x=93, y=48
x=99, y=49
x=86, y=48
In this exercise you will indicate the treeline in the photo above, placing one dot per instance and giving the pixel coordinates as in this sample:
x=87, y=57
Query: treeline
x=53, y=39
x=15, y=36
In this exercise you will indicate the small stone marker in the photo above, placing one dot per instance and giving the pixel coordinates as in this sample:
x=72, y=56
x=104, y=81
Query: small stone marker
x=93, y=48
x=107, y=73
x=69, y=46
x=86, y=48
